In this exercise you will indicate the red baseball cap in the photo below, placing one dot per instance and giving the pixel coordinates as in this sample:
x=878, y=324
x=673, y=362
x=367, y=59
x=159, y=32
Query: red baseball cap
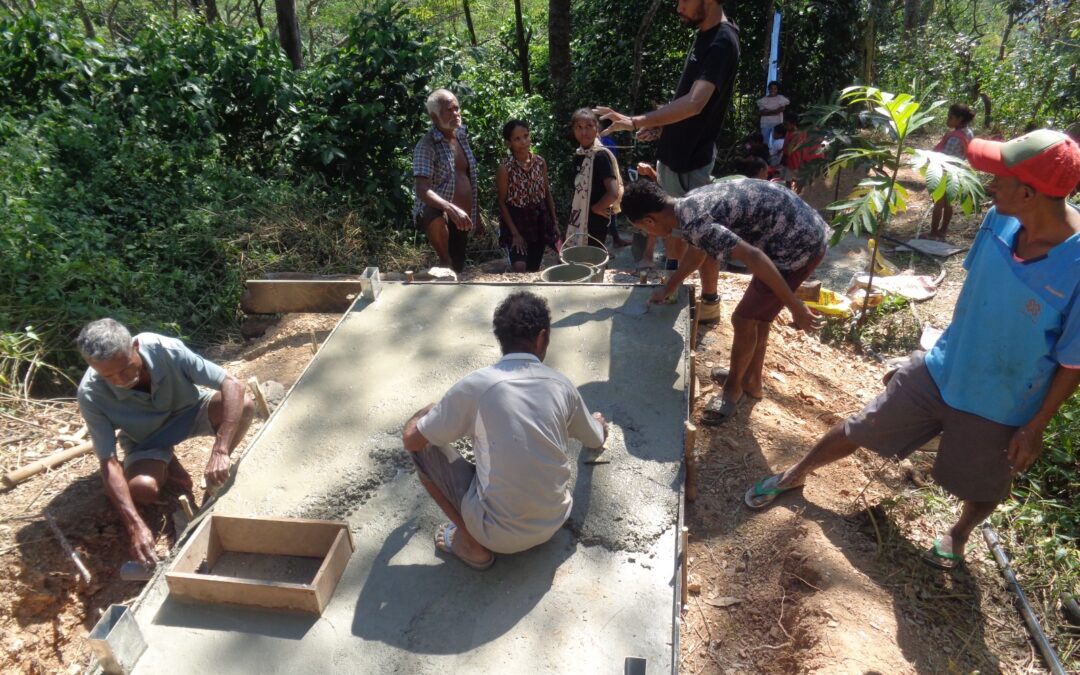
x=1048, y=161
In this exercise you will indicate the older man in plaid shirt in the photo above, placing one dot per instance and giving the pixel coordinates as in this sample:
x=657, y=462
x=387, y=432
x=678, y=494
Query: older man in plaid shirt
x=445, y=173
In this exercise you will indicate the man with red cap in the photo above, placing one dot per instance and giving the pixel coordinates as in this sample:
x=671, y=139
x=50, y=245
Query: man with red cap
x=1007, y=362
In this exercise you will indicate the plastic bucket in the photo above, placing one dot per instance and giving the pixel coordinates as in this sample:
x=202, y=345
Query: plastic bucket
x=568, y=273
x=595, y=257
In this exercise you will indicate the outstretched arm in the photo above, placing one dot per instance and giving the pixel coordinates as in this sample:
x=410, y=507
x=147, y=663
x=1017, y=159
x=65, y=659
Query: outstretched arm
x=232, y=414
x=688, y=105
x=763, y=268
x=116, y=489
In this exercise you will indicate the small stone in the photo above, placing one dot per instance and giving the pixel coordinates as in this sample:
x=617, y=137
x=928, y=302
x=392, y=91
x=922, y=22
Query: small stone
x=693, y=587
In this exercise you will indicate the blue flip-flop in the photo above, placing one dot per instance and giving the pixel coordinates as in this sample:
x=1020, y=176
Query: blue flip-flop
x=765, y=492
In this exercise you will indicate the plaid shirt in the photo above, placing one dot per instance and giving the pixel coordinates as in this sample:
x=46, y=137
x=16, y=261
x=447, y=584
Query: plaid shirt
x=434, y=158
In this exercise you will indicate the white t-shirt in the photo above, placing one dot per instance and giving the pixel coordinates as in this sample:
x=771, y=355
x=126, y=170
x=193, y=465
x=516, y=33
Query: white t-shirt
x=520, y=415
x=771, y=103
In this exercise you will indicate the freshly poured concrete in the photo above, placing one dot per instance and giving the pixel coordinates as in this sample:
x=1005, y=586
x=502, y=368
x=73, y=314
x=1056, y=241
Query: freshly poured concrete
x=600, y=591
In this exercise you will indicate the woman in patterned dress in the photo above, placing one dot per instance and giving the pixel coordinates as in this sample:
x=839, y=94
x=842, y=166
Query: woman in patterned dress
x=525, y=202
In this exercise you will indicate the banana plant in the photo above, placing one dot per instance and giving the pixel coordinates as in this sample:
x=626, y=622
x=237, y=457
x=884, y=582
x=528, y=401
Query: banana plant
x=879, y=196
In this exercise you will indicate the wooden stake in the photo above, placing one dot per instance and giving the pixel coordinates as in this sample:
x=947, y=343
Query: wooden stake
x=66, y=545
x=694, y=306
x=314, y=343
x=684, y=543
x=409, y=276
x=692, y=385
x=690, y=456
x=256, y=393
x=185, y=504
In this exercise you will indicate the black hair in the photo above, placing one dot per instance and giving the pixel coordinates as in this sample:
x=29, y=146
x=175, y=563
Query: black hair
x=779, y=127
x=584, y=112
x=519, y=319
x=749, y=166
x=641, y=198
x=508, y=128
x=774, y=82
x=962, y=112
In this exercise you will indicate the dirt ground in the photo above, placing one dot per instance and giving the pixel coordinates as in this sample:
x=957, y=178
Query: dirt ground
x=826, y=581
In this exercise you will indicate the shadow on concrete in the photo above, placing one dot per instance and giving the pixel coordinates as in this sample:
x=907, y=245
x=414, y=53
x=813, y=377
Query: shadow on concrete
x=242, y=620
x=449, y=608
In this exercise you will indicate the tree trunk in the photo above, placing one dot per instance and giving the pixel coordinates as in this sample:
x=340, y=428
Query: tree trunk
x=289, y=32
x=468, y=22
x=911, y=15
x=639, y=44
x=212, y=13
x=85, y=17
x=522, y=48
x=869, y=47
x=559, y=51
x=258, y=5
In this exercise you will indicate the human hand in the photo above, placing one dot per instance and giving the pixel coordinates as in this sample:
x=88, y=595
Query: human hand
x=649, y=135
x=659, y=296
x=805, y=319
x=1025, y=446
x=459, y=218
x=619, y=121
x=217, y=469
x=646, y=170
x=604, y=211
x=517, y=243
x=142, y=544
x=603, y=422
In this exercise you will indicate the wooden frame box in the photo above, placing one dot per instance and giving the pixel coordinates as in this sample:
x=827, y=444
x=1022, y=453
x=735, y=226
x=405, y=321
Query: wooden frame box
x=280, y=563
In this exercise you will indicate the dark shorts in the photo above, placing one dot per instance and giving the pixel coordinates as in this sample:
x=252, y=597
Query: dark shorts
x=759, y=303
x=195, y=421
x=971, y=461
x=458, y=240
x=453, y=477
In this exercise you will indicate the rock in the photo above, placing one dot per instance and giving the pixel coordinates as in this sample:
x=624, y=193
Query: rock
x=495, y=266
x=273, y=392
x=255, y=326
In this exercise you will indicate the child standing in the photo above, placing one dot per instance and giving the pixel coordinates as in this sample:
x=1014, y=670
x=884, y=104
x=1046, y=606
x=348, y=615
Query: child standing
x=597, y=185
x=953, y=143
x=525, y=202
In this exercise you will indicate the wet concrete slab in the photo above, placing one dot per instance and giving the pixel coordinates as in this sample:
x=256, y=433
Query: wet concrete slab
x=601, y=590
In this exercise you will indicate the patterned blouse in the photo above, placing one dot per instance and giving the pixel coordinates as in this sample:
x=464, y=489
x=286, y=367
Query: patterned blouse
x=716, y=217
x=525, y=183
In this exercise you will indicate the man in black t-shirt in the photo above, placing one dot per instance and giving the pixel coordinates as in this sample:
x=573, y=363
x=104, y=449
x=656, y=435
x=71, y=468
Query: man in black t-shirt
x=690, y=124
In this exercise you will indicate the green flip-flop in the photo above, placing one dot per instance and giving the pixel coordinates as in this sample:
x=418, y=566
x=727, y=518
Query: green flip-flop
x=765, y=492
x=943, y=560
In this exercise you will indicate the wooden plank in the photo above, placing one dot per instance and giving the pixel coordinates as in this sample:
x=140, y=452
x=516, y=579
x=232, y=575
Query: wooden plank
x=277, y=536
x=326, y=579
x=690, y=456
x=248, y=592
x=13, y=478
x=279, y=296
x=192, y=554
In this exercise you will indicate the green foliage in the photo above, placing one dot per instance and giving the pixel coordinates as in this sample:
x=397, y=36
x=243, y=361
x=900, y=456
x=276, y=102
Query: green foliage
x=876, y=198
x=363, y=110
x=1042, y=524
x=1021, y=74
